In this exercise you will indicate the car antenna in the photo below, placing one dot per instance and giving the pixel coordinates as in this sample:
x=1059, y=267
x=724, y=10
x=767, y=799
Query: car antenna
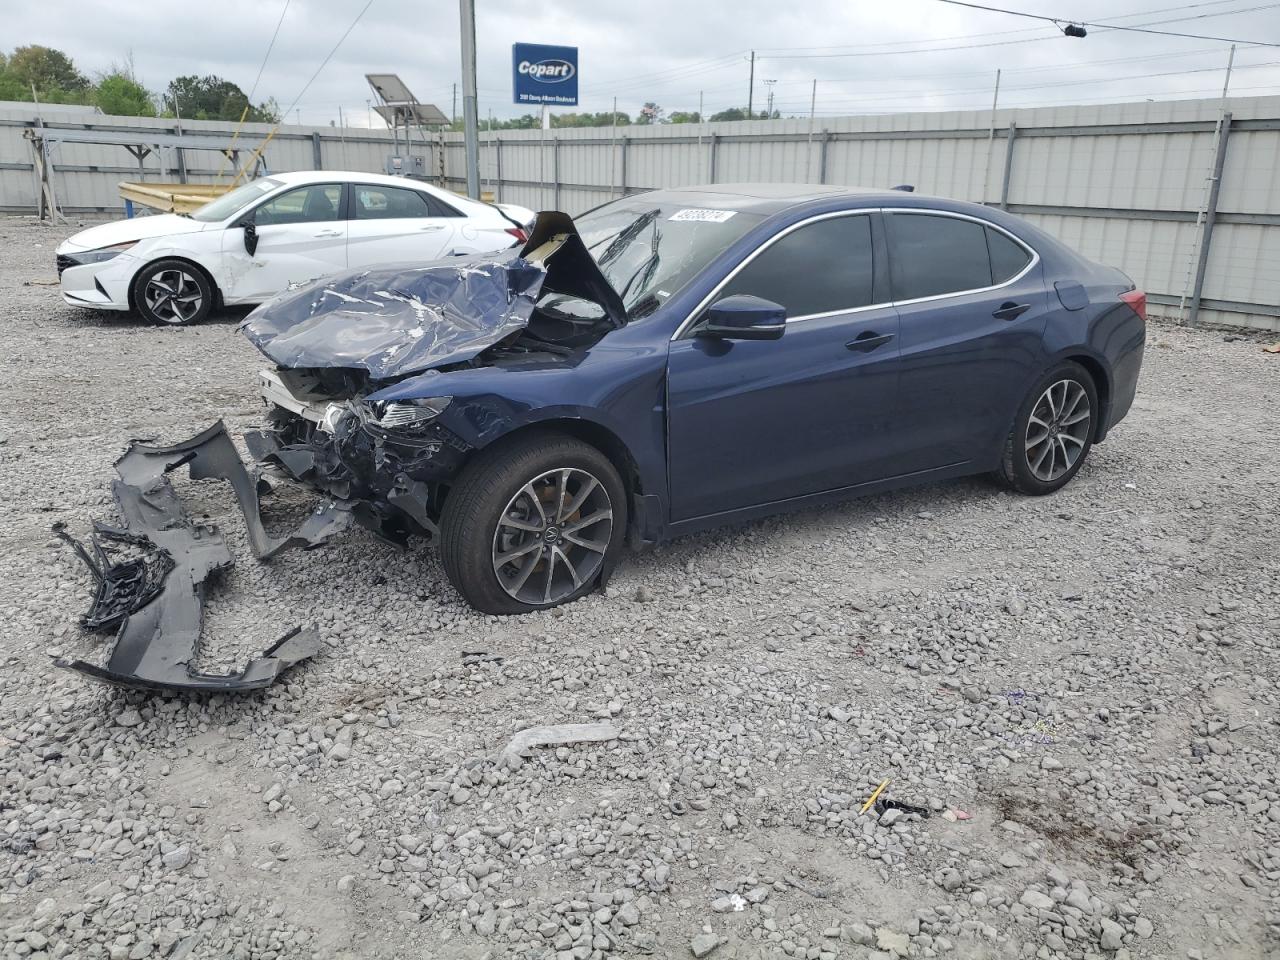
x=905, y=188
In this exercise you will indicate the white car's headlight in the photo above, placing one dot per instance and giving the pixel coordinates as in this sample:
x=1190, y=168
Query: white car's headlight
x=81, y=257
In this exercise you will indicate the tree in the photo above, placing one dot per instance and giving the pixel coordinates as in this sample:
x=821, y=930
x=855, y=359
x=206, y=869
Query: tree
x=213, y=98
x=50, y=71
x=684, y=116
x=650, y=113
x=740, y=113
x=121, y=95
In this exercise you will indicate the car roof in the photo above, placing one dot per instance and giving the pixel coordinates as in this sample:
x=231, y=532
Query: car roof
x=344, y=176
x=770, y=198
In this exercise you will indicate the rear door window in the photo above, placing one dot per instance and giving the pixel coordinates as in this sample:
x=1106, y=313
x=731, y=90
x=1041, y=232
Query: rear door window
x=932, y=255
x=822, y=267
x=388, y=203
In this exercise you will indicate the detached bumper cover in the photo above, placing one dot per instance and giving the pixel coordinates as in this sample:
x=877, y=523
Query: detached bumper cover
x=156, y=594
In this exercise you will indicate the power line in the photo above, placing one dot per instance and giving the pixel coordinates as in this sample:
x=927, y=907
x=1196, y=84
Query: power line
x=267, y=55
x=1137, y=29
x=971, y=36
x=327, y=58
x=1101, y=28
x=1034, y=86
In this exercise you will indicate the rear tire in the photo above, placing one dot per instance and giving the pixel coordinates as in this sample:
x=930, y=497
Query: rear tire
x=173, y=293
x=532, y=524
x=1052, y=433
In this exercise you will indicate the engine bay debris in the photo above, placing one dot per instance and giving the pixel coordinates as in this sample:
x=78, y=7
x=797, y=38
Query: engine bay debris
x=151, y=572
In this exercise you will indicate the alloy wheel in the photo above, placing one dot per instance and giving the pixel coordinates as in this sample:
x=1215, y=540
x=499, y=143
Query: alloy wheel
x=552, y=536
x=1058, y=430
x=173, y=296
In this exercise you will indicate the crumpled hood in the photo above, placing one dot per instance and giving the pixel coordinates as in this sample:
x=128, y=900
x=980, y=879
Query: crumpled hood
x=400, y=320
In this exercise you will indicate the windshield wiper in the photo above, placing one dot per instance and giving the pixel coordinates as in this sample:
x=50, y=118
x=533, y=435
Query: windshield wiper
x=625, y=236
x=646, y=269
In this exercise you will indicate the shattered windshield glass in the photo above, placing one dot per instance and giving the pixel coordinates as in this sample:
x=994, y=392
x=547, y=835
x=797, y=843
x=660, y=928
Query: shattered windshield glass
x=648, y=251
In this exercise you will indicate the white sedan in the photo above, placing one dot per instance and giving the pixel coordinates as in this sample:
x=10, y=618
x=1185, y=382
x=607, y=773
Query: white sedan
x=259, y=239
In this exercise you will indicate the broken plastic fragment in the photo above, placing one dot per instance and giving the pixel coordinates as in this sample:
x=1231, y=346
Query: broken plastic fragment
x=157, y=596
x=524, y=741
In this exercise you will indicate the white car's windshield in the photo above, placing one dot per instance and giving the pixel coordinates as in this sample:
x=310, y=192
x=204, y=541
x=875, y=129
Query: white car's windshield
x=235, y=201
x=649, y=250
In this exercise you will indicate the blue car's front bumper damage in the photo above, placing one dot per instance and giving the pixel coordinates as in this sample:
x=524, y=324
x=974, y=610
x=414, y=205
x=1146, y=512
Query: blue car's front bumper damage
x=151, y=571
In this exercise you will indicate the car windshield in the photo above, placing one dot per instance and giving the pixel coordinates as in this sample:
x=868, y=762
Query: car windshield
x=649, y=250
x=232, y=203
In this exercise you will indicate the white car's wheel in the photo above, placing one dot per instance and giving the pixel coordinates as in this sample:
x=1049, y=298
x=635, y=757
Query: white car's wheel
x=172, y=292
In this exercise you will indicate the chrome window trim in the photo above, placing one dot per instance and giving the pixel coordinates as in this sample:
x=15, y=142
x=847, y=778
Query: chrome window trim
x=867, y=211
x=706, y=301
x=927, y=211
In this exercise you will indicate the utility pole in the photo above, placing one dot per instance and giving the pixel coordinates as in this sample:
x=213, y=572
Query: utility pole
x=613, y=149
x=368, y=106
x=751, y=85
x=467, y=14
x=991, y=136
x=813, y=102
x=453, y=113
x=769, y=112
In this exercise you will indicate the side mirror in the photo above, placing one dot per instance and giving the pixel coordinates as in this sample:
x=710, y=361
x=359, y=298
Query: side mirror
x=250, y=236
x=744, y=317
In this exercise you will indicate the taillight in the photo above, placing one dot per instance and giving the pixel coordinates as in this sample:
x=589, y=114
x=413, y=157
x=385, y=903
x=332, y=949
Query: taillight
x=1138, y=300
x=519, y=234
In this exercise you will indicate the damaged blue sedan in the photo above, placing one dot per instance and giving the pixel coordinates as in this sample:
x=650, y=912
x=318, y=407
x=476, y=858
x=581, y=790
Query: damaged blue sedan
x=686, y=358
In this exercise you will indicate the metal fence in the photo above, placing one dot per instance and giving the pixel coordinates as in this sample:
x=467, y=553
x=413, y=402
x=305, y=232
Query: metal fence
x=1184, y=196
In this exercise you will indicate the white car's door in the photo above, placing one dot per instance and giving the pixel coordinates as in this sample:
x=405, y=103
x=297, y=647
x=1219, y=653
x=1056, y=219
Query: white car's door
x=397, y=225
x=301, y=235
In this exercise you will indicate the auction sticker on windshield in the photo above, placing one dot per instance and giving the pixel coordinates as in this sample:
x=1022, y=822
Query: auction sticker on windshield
x=702, y=216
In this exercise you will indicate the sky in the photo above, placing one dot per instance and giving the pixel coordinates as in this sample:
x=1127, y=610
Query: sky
x=867, y=56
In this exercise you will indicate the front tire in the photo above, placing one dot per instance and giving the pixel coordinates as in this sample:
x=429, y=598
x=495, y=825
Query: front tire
x=1052, y=433
x=533, y=524
x=172, y=292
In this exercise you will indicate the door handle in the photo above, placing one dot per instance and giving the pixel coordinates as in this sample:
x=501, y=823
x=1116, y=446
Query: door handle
x=1011, y=311
x=329, y=233
x=868, y=340
x=431, y=227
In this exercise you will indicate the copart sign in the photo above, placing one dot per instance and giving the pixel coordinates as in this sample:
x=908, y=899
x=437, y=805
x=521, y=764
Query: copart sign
x=544, y=74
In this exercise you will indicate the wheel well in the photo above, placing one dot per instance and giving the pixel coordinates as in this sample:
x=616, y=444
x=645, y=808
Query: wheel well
x=602, y=438
x=213, y=285
x=1102, y=384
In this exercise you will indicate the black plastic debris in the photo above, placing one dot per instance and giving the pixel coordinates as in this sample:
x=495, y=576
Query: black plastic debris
x=129, y=569
x=156, y=593
x=883, y=804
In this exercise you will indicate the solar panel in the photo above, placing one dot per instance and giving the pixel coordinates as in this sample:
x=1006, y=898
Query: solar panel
x=390, y=88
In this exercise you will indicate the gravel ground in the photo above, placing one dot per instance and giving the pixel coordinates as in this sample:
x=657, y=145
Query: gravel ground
x=1090, y=677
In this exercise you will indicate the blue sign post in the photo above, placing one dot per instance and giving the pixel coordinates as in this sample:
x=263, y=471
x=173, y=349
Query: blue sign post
x=544, y=74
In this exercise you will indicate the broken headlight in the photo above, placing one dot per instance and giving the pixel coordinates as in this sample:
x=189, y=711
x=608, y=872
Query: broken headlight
x=395, y=419
x=407, y=414
x=81, y=257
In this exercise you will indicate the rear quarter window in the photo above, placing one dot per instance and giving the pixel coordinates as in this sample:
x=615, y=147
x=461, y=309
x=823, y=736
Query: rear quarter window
x=1008, y=257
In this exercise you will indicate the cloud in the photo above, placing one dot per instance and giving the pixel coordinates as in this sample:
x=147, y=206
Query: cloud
x=866, y=57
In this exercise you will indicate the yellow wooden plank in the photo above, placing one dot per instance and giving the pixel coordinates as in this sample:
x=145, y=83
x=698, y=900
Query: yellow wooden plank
x=172, y=197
